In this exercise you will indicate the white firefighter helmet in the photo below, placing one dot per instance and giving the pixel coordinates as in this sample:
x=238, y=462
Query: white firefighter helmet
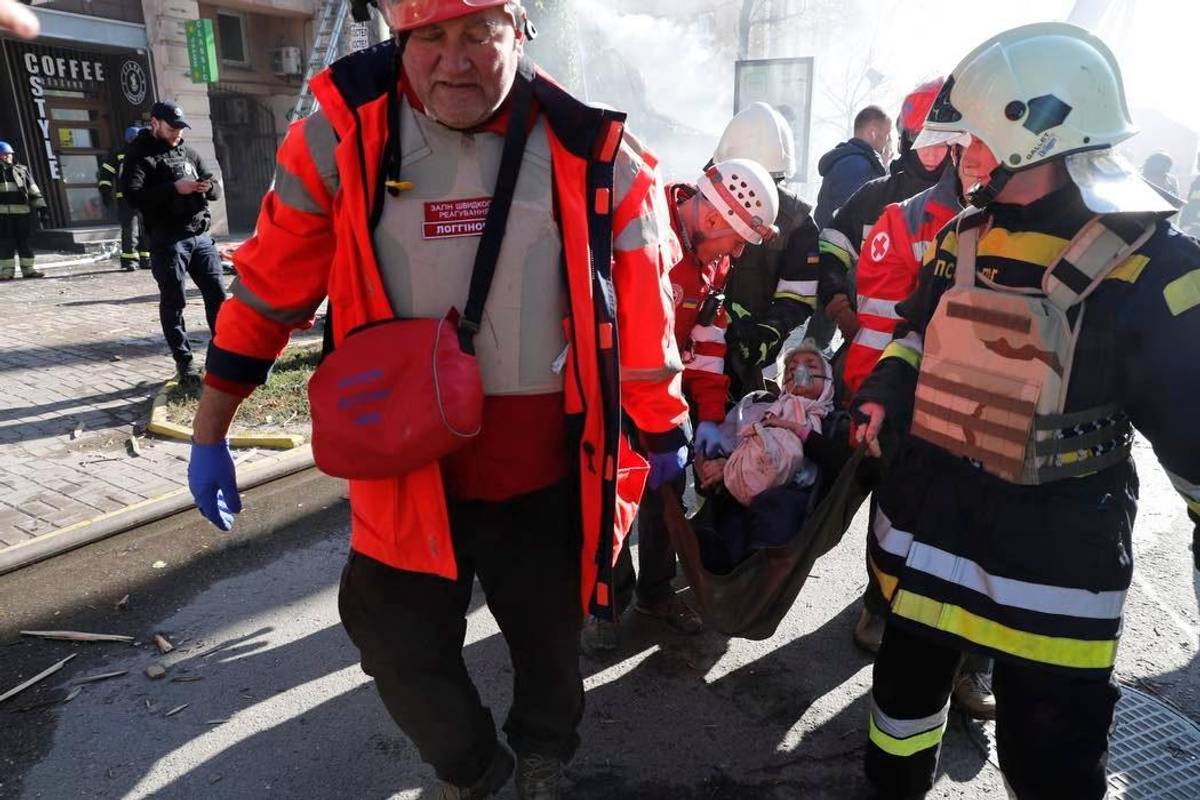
x=760, y=133
x=1041, y=92
x=744, y=193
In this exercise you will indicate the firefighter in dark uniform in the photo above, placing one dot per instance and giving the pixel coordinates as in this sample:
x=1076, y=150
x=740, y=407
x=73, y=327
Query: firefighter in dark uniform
x=772, y=287
x=1048, y=321
x=133, y=227
x=20, y=198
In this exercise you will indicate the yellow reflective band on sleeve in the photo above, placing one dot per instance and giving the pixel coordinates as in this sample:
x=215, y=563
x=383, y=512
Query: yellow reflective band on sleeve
x=835, y=251
x=905, y=747
x=1130, y=269
x=104, y=183
x=1028, y=246
x=901, y=351
x=110, y=168
x=1057, y=650
x=1183, y=293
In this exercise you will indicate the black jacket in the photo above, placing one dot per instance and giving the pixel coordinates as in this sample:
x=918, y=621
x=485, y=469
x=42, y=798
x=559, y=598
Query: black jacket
x=843, y=235
x=147, y=180
x=843, y=169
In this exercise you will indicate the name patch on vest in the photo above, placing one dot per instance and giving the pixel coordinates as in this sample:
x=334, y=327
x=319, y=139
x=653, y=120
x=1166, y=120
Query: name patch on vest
x=451, y=219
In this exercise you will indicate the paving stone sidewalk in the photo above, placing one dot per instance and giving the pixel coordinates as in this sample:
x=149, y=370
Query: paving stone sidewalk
x=81, y=357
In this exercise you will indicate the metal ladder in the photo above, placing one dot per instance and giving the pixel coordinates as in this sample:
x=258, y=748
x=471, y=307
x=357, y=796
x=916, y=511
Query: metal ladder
x=326, y=43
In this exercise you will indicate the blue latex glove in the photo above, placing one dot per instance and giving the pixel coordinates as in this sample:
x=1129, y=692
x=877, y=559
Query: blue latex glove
x=213, y=482
x=667, y=467
x=707, y=441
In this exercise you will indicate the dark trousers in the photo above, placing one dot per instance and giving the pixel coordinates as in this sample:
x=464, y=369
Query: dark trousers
x=772, y=519
x=877, y=604
x=656, y=556
x=409, y=628
x=133, y=236
x=172, y=262
x=1051, y=727
x=16, y=232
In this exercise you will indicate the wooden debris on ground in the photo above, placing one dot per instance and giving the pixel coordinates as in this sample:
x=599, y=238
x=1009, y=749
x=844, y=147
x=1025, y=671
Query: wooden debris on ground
x=176, y=710
x=164, y=644
x=155, y=671
x=187, y=678
x=43, y=674
x=122, y=604
x=103, y=676
x=71, y=695
x=78, y=636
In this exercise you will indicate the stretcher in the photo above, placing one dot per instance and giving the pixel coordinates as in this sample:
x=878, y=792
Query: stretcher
x=753, y=599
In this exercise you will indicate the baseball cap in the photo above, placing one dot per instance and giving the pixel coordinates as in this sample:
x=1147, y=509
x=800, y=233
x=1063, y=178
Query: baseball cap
x=170, y=113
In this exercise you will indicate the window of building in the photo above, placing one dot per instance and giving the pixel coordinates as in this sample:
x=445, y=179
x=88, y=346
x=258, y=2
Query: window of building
x=231, y=38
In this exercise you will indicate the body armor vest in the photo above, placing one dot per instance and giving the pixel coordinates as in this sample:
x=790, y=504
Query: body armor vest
x=427, y=238
x=997, y=365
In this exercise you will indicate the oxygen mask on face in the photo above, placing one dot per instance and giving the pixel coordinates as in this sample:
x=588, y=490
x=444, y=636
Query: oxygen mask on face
x=802, y=377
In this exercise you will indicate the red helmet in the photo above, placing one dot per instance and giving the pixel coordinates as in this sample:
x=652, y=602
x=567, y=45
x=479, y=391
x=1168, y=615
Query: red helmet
x=916, y=106
x=405, y=15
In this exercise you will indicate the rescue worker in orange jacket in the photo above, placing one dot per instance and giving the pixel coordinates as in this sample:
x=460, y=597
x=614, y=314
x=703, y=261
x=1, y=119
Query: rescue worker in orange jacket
x=734, y=203
x=537, y=505
x=914, y=171
x=887, y=269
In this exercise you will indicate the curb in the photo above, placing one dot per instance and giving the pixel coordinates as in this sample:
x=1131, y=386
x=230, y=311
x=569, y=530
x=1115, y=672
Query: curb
x=144, y=512
x=160, y=425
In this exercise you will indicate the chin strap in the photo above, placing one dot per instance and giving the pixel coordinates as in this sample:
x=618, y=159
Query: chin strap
x=983, y=195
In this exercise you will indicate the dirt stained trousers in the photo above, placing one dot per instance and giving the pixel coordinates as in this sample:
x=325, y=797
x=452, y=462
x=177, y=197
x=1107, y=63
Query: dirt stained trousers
x=16, y=233
x=1051, y=727
x=409, y=628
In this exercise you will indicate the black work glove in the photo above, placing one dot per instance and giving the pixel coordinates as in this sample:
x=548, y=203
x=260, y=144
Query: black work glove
x=756, y=343
x=44, y=217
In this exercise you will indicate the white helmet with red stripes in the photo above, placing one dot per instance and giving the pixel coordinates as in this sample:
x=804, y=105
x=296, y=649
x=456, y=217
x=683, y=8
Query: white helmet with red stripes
x=742, y=190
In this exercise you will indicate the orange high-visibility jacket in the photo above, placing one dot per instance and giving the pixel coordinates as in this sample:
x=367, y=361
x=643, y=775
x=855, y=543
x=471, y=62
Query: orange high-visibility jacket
x=312, y=242
x=891, y=258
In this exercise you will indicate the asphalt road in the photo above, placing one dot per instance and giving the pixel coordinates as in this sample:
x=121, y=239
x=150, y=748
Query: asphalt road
x=275, y=705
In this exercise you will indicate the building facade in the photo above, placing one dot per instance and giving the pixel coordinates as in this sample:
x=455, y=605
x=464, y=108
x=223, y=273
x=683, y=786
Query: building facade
x=69, y=95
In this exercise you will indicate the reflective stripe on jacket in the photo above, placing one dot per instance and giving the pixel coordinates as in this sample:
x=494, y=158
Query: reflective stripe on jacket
x=701, y=342
x=314, y=239
x=888, y=269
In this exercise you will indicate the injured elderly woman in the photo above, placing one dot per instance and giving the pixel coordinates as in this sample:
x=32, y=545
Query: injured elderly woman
x=765, y=486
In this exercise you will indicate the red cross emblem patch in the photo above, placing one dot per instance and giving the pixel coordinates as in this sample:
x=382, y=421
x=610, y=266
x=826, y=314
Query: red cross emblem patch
x=879, y=246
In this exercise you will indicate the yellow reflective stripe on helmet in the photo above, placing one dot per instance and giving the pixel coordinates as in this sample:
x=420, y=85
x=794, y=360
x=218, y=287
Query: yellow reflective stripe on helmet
x=1183, y=293
x=904, y=748
x=1057, y=650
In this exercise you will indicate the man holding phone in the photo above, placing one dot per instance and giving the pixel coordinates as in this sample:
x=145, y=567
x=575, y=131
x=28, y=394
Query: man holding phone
x=170, y=184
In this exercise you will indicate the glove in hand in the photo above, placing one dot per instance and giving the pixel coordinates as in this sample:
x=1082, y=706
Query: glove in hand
x=707, y=441
x=839, y=310
x=755, y=343
x=213, y=481
x=667, y=467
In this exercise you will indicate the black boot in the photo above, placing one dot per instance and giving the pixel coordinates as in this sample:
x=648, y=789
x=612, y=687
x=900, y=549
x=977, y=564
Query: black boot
x=539, y=777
